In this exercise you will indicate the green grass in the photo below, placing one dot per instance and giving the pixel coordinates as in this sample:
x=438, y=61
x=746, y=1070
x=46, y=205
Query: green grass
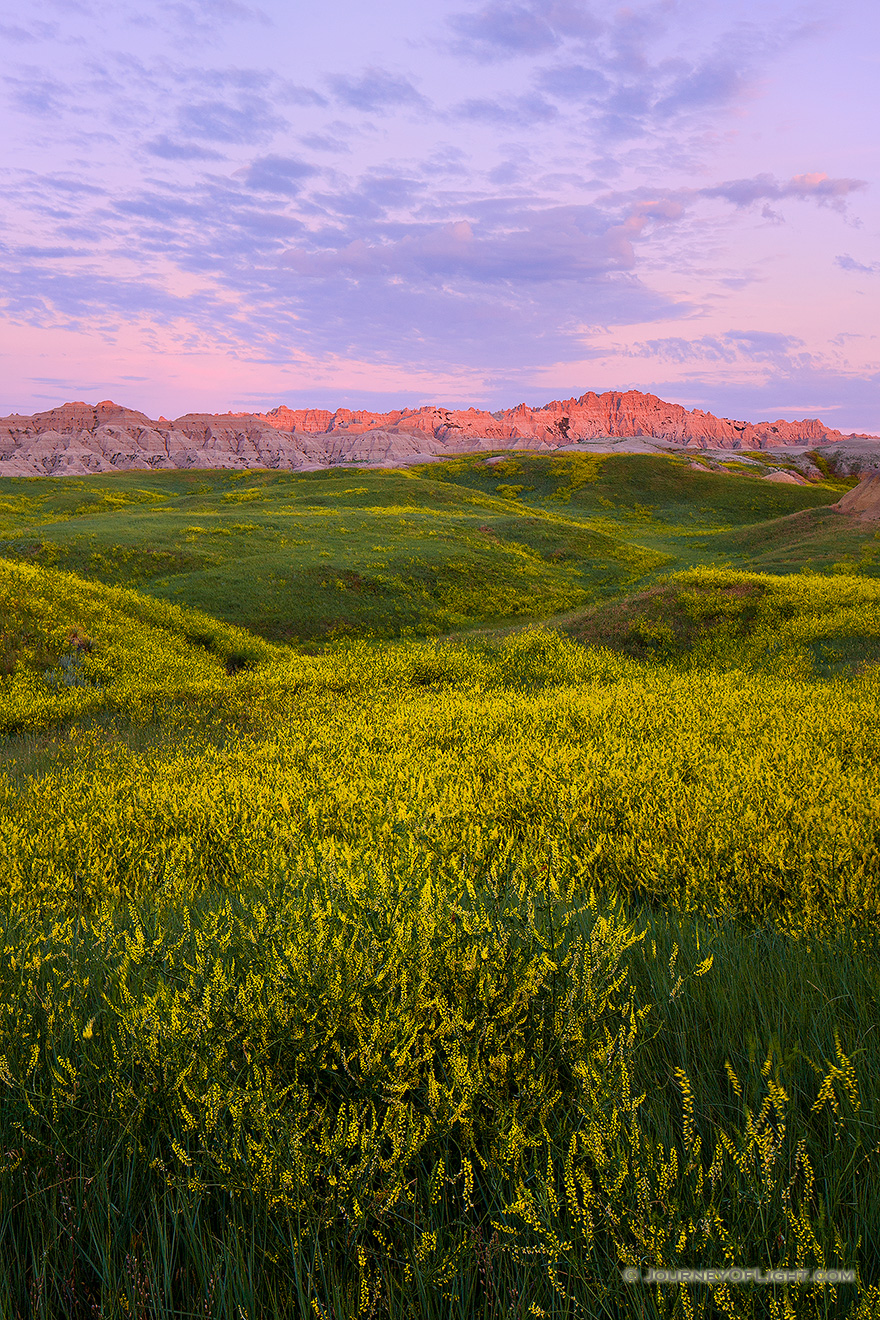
x=318, y=556
x=439, y=549
x=639, y=486
x=811, y=624
x=814, y=541
x=413, y=978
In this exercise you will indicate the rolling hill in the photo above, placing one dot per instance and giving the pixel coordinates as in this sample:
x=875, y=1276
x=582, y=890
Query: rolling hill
x=433, y=549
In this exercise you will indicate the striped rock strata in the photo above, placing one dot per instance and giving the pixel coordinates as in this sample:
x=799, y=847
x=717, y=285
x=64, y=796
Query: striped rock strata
x=79, y=438
x=592, y=416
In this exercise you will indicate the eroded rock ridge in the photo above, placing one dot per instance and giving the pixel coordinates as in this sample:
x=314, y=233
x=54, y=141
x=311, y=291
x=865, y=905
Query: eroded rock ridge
x=79, y=438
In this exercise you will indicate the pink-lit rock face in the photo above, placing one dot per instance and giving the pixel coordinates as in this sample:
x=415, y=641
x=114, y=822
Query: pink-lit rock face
x=79, y=438
x=75, y=417
x=591, y=417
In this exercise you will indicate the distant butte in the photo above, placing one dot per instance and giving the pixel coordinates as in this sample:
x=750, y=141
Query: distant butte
x=78, y=438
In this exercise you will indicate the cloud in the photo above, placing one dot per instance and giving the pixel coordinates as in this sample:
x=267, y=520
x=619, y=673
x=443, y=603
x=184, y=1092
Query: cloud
x=717, y=80
x=167, y=149
x=161, y=206
x=349, y=203
x=35, y=31
x=325, y=142
x=71, y=187
x=846, y=262
x=615, y=65
x=617, y=60
x=293, y=94
x=242, y=108
x=499, y=30
x=412, y=250
x=375, y=91
x=759, y=346
x=391, y=190
x=52, y=253
x=277, y=174
x=564, y=243
x=722, y=74
x=508, y=172
x=249, y=119
x=268, y=224
x=740, y=193
x=764, y=345
x=805, y=187
x=38, y=95
x=434, y=324
x=446, y=159
x=574, y=82
x=206, y=16
x=507, y=289
x=516, y=111
x=49, y=296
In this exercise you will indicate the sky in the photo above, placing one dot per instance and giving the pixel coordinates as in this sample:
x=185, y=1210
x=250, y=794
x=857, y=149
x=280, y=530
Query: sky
x=213, y=205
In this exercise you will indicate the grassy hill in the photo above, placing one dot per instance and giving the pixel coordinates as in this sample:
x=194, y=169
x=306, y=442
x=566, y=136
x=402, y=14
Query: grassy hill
x=68, y=646
x=438, y=549
x=814, y=540
x=417, y=979
x=809, y=623
x=641, y=487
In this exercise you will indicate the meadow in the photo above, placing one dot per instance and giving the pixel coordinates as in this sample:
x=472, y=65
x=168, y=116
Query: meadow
x=424, y=551
x=396, y=975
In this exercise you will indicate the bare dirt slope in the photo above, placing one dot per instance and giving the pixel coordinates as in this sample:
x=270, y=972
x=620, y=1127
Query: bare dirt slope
x=863, y=501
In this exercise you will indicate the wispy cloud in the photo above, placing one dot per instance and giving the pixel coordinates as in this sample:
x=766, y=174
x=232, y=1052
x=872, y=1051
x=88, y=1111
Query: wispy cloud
x=246, y=119
x=846, y=262
x=168, y=149
x=512, y=111
x=816, y=187
x=562, y=243
x=206, y=19
x=499, y=30
x=326, y=142
x=574, y=82
x=731, y=346
x=199, y=12
x=376, y=91
x=28, y=33
x=36, y=94
x=277, y=174
x=617, y=65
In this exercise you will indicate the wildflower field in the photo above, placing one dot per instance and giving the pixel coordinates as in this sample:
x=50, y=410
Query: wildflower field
x=440, y=978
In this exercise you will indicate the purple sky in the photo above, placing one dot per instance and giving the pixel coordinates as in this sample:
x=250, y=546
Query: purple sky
x=210, y=205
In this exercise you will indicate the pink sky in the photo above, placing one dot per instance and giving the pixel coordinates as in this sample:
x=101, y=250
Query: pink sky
x=211, y=205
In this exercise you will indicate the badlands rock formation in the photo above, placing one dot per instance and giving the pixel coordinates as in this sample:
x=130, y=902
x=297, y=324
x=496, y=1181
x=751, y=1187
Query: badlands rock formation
x=79, y=438
x=591, y=417
x=855, y=455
